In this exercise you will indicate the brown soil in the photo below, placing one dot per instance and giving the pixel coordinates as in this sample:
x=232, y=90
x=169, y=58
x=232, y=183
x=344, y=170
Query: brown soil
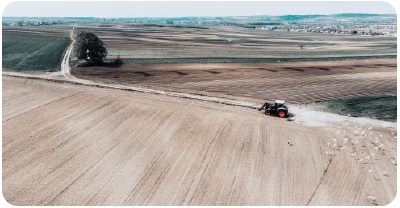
x=293, y=82
x=91, y=146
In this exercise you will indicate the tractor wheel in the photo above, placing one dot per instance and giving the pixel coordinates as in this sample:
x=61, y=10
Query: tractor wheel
x=267, y=112
x=282, y=114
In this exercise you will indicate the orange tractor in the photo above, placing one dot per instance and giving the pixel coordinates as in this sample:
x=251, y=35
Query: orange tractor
x=277, y=109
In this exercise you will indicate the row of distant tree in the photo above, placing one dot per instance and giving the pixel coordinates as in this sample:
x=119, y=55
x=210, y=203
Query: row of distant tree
x=31, y=23
x=355, y=32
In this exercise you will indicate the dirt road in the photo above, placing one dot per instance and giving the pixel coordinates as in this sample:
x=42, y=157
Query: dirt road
x=67, y=144
x=65, y=69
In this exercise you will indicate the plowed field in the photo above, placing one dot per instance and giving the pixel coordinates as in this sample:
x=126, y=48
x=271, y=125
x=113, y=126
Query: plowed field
x=66, y=144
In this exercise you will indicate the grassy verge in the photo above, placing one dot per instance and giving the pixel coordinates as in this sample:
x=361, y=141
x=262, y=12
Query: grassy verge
x=381, y=107
x=73, y=62
x=31, y=52
x=246, y=60
x=294, y=52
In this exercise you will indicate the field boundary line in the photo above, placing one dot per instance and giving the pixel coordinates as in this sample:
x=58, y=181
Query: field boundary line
x=139, y=89
x=301, y=114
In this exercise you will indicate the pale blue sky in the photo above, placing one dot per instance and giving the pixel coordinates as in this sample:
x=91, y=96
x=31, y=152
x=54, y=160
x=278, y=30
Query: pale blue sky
x=180, y=9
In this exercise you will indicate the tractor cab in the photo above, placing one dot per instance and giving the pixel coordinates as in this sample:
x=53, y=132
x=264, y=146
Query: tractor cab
x=279, y=103
x=277, y=109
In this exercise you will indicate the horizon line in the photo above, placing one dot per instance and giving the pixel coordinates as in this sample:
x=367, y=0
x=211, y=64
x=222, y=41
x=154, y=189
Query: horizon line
x=207, y=16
